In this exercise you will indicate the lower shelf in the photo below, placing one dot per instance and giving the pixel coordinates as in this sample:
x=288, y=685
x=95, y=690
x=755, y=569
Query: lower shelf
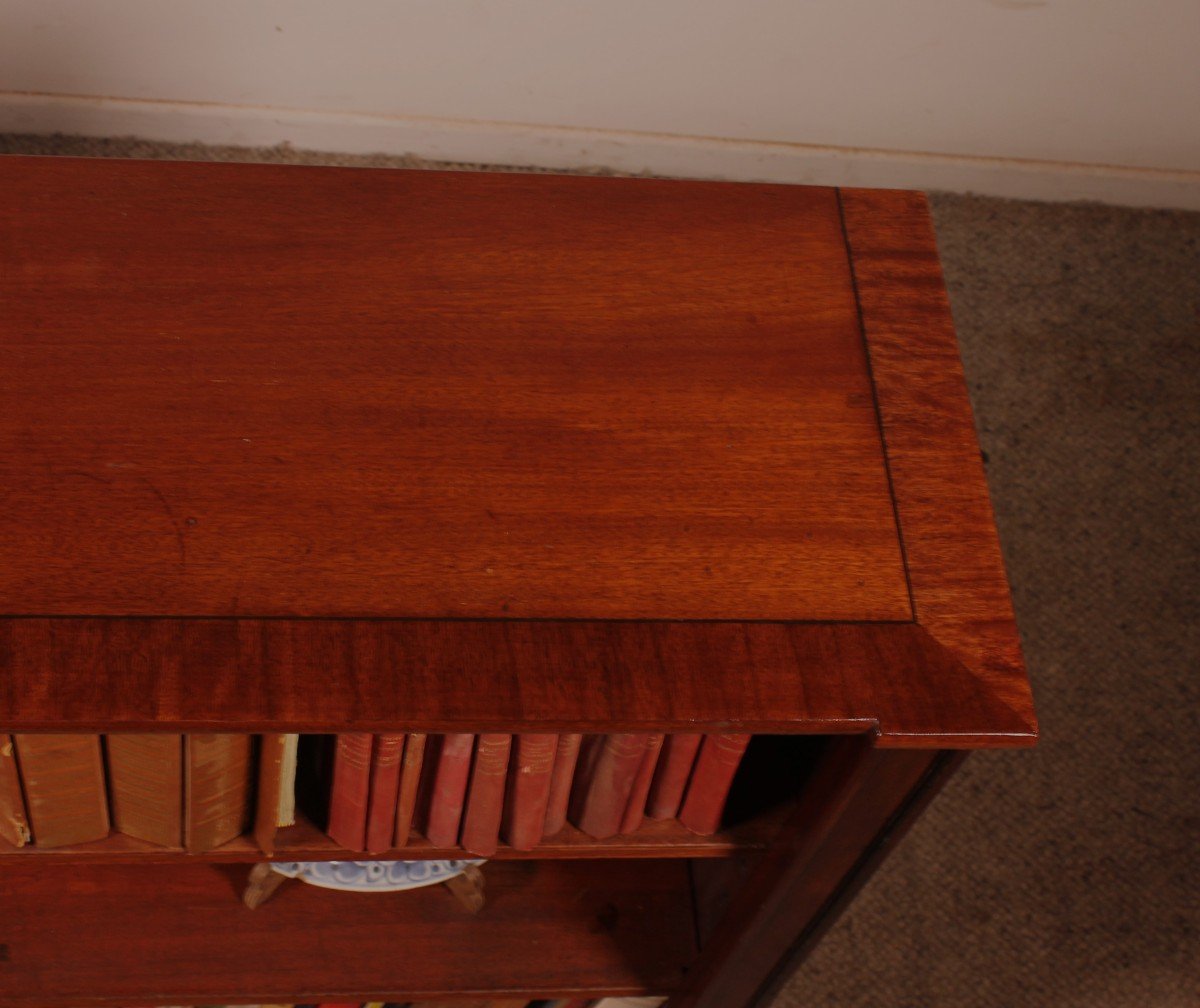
x=178, y=934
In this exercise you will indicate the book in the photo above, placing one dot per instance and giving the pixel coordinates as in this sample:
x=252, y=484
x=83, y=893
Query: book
x=286, y=814
x=350, y=790
x=275, y=805
x=14, y=823
x=636, y=806
x=63, y=781
x=610, y=770
x=485, y=797
x=446, y=788
x=410, y=781
x=712, y=777
x=566, y=757
x=528, y=794
x=585, y=762
x=385, y=788
x=145, y=786
x=217, y=789
x=670, y=779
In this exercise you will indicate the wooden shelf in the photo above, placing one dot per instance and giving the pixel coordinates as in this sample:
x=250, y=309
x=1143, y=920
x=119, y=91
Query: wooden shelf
x=549, y=928
x=306, y=842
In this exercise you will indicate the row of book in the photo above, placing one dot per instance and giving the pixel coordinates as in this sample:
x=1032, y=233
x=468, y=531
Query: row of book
x=372, y=793
x=195, y=792
x=475, y=791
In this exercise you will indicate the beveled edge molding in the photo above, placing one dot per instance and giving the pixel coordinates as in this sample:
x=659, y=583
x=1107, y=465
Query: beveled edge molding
x=946, y=524
x=178, y=674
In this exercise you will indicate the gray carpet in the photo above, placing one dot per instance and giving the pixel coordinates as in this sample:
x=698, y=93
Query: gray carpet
x=1065, y=876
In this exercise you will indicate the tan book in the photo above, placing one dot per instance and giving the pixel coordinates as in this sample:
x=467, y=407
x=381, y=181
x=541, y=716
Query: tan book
x=63, y=779
x=145, y=786
x=271, y=755
x=216, y=806
x=285, y=812
x=14, y=824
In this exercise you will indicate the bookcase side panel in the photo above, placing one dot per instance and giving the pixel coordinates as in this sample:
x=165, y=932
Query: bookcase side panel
x=857, y=804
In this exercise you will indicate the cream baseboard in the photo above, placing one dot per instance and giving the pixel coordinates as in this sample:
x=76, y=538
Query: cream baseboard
x=571, y=148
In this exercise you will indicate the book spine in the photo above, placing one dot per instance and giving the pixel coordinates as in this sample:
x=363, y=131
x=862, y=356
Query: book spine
x=350, y=790
x=385, y=788
x=410, y=780
x=709, y=787
x=566, y=757
x=271, y=751
x=14, y=823
x=448, y=789
x=65, y=797
x=217, y=788
x=636, y=807
x=529, y=790
x=145, y=786
x=670, y=780
x=590, y=747
x=285, y=814
x=609, y=783
x=485, y=801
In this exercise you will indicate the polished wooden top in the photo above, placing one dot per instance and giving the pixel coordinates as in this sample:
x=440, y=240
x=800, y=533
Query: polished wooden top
x=268, y=391
x=299, y=448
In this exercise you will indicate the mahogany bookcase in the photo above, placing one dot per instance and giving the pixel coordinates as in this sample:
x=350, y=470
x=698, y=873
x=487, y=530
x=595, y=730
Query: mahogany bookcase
x=315, y=449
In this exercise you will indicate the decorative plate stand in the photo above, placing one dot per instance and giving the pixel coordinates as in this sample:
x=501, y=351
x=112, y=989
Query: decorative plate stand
x=463, y=879
x=372, y=876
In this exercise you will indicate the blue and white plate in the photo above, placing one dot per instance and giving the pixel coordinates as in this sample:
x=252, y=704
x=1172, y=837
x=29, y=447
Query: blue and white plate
x=372, y=876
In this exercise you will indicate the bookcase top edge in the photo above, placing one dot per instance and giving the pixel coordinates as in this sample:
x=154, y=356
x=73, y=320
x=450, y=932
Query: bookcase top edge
x=893, y=679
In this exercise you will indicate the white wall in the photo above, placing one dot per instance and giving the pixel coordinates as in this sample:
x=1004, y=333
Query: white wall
x=1054, y=98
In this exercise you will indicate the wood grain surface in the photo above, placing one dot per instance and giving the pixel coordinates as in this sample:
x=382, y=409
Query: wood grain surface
x=952, y=553
x=121, y=934
x=268, y=390
x=292, y=449
x=495, y=675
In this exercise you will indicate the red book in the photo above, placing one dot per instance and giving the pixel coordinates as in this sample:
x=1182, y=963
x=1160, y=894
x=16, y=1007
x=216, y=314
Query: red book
x=385, y=787
x=529, y=790
x=670, y=781
x=709, y=787
x=350, y=789
x=410, y=778
x=609, y=781
x=585, y=762
x=636, y=806
x=565, y=758
x=447, y=788
x=485, y=801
